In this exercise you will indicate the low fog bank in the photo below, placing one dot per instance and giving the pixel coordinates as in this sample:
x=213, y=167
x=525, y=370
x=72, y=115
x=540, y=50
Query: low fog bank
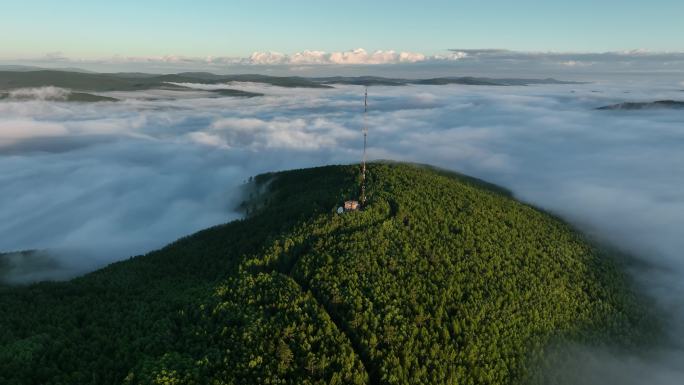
x=30, y=266
x=95, y=184
x=594, y=366
x=39, y=93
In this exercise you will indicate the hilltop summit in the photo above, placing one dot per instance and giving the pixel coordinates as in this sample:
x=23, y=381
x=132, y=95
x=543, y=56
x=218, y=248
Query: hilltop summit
x=441, y=279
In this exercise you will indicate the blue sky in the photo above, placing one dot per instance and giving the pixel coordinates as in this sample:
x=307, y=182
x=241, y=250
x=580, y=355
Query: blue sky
x=88, y=29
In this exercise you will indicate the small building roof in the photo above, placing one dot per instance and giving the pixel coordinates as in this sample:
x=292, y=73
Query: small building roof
x=351, y=205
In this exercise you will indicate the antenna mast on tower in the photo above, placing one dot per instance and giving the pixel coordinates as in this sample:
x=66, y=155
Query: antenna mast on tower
x=365, y=136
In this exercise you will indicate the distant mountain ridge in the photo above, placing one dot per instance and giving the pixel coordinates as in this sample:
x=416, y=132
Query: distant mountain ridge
x=463, y=80
x=658, y=104
x=441, y=279
x=96, y=82
x=101, y=82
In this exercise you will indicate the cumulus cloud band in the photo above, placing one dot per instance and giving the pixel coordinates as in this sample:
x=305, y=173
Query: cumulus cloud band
x=475, y=62
x=357, y=56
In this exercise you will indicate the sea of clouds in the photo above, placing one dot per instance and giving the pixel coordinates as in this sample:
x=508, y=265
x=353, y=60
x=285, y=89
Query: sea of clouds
x=95, y=183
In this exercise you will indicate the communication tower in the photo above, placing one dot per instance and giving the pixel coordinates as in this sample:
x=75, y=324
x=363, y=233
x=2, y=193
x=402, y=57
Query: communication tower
x=362, y=198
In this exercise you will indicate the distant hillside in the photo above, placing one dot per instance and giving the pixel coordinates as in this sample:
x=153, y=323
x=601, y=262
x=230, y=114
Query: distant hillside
x=659, y=104
x=361, y=80
x=96, y=82
x=132, y=82
x=67, y=96
x=11, y=67
x=473, y=81
x=74, y=80
x=236, y=93
x=443, y=279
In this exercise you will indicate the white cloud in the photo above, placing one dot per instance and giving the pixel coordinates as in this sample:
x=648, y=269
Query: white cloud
x=360, y=56
x=454, y=55
x=40, y=93
x=258, y=134
x=12, y=131
x=636, y=52
x=309, y=57
x=207, y=139
x=268, y=58
x=357, y=56
x=575, y=63
x=175, y=59
x=411, y=57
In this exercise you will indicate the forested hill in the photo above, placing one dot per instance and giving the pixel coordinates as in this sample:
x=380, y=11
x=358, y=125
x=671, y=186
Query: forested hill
x=443, y=279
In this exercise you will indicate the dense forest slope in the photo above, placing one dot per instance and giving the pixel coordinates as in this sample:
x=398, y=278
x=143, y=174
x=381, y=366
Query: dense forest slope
x=443, y=279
